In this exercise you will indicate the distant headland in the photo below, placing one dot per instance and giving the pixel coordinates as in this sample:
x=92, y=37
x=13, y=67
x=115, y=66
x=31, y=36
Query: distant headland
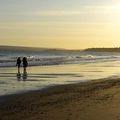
x=117, y=49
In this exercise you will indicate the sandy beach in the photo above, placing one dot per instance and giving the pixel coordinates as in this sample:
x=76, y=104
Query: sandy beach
x=59, y=59
x=94, y=100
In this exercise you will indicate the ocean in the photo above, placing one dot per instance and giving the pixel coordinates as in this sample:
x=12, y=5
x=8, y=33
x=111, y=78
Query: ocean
x=46, y=58
x=48, y=68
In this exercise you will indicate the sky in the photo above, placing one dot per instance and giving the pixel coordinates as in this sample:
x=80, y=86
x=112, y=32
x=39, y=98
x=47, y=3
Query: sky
x=69, y=24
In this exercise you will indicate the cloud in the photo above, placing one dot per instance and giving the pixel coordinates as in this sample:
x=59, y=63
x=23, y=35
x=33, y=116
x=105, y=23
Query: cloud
x=56, y=13
x=81, y=11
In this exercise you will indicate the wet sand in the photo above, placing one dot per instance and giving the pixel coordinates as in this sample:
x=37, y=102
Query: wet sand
x=94, y=100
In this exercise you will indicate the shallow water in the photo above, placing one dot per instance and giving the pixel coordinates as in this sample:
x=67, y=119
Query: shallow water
x=40, y=77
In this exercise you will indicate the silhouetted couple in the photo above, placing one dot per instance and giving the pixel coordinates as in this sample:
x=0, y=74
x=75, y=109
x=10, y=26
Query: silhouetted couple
x=24, y=63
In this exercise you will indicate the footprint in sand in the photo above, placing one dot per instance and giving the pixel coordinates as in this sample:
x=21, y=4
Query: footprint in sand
x=118, y=118
x=67, y=119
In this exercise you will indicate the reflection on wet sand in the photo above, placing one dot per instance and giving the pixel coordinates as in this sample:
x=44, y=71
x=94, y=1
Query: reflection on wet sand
x=18, y=76
x=21, y=76
x=24, y=76
x=46, y=76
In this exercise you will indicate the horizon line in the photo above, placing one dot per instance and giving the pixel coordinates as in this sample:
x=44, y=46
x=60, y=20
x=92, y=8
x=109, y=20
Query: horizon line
x=33, y=47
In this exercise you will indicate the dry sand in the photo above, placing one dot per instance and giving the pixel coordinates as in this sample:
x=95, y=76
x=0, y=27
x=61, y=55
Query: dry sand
x=95, y=100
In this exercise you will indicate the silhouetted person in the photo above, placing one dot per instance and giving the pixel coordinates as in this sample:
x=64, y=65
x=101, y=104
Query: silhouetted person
x=25, y=64
x=18, y=63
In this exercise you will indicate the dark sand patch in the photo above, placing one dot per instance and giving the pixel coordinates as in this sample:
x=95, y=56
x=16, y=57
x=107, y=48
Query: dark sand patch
x=95, y=100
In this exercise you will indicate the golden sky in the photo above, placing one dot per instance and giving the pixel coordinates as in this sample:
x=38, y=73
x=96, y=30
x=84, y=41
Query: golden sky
x=70, y=24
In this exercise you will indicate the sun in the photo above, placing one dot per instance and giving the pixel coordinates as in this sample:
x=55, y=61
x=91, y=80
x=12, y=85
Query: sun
x=116, y=8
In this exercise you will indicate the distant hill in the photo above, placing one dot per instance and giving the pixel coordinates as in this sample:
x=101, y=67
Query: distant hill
x=34, y=49
x=103, y=49
x=19, y=48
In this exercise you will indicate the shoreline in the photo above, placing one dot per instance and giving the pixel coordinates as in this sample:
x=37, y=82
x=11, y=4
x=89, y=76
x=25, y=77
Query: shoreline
x=42, y=77
x=50, y=88
x=65, y=102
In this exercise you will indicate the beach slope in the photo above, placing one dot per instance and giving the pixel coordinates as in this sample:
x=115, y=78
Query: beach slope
x=94, y=100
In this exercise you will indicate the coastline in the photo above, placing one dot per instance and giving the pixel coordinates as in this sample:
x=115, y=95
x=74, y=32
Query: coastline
x=93, y=100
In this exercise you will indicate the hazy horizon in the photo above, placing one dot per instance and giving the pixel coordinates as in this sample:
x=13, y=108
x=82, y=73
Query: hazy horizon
x=60, y=24
x=28, y=47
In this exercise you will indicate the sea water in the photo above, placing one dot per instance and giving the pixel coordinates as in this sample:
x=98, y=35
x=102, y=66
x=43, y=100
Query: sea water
x=47, y=70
